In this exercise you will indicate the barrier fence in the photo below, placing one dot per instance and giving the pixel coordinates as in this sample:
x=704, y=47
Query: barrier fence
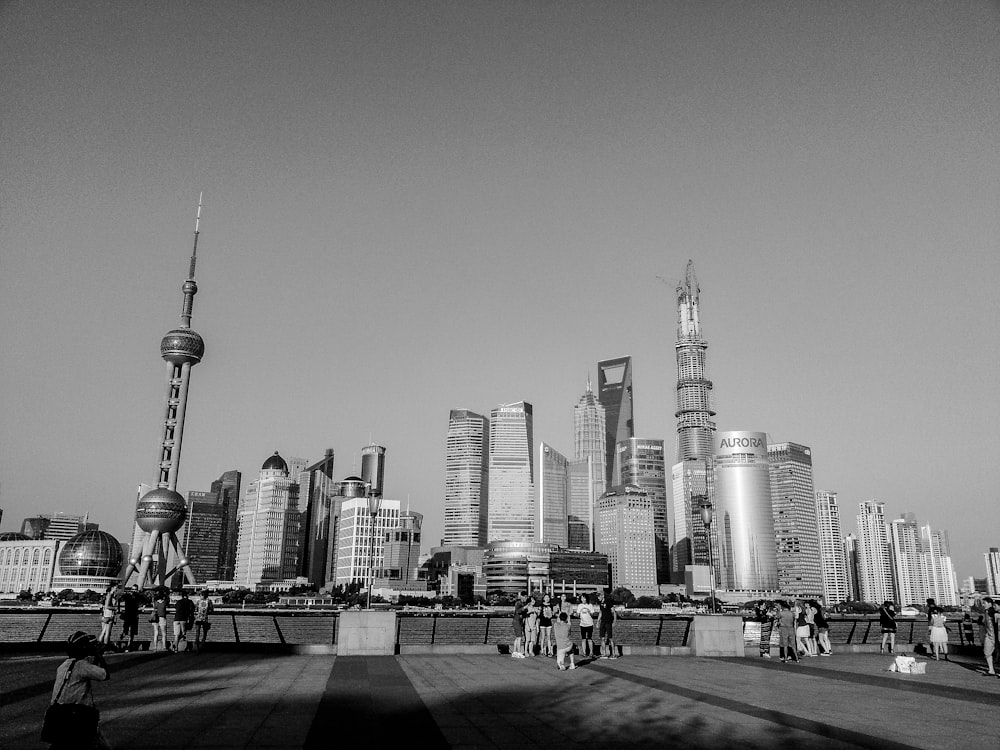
x=438, y=628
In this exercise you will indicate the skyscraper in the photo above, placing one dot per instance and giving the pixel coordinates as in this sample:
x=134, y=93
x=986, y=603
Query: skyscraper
x=355, y=546
x=643, y=465
x=401, y=552
x=512, y=474
x=793, y=503
x=227, y=491
x=316, y=493
x=625, y=533
x=691, y=475
x=588, y=470
x=744, y=520
x=160, y=512
x=694, y=390
x=614, y=391
x=874, y=561
x=466, y=482
x=853, y=567
x=553, y=496
x=992, y=560
x=905, y=547
x=836, y=581
x=268, y=546
x=201, y=535
x=937, y=567
x=373, y=467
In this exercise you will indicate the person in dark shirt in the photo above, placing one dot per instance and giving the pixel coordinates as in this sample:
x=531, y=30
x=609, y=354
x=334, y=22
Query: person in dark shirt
x=130, y=603
x=183, y=611
x=605, y=626
x=887, y=621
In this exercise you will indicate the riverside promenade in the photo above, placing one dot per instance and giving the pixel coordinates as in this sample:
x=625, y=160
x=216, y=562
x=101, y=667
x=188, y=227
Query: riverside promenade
x=236, y=699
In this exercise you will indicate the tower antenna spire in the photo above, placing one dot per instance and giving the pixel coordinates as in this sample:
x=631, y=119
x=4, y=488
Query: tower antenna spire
x=190, y=287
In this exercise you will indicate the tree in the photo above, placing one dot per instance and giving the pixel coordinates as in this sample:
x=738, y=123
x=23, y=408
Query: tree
x=622, y=595
x=648, y=602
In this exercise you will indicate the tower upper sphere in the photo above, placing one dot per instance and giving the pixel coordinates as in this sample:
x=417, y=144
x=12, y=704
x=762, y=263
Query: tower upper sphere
x=161, y=510
x=182, y=345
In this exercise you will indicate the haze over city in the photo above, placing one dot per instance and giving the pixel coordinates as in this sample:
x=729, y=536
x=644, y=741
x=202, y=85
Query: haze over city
x=415, y=207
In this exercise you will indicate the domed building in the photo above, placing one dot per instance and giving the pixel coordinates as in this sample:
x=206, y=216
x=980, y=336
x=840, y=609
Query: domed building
x=90, y=560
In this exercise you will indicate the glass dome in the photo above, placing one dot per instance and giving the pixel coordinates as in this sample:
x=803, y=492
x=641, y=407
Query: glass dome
x=92, y=553
x=12, y=536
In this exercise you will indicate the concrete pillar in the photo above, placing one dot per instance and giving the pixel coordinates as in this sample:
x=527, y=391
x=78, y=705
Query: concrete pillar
x=366, y=633
x=718, y=635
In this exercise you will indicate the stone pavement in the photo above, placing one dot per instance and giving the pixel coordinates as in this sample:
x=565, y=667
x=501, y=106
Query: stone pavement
x=247, y=700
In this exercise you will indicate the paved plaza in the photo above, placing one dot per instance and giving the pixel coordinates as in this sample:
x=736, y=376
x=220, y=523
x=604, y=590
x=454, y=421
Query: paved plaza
x=246, y=700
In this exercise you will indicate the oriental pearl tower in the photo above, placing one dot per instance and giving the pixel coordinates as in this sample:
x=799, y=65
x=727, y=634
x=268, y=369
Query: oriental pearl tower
x=161, y=512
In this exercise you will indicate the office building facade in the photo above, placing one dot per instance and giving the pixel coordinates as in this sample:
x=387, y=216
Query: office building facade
x=796, y=527
x=511, y=474
x=466, y=485
x=614, y=391
x=992, y=560
x=553, y=496
x=643, y=464
x=694, y=390
x=269, y=527
x=626, y=534
x=743, y=516
x=317, y=489
x=360, y=542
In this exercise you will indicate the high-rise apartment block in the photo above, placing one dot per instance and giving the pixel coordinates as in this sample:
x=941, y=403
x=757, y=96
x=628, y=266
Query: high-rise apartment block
x=992, y=559
x=643, y=465
x=270, y=527
x=744, y=520
x=874, y=559
x=937, y=567
x=466, y=485
x=836, y=581
x=906, y=549
x=626, y=534
x=511, y=474
x=553, y=496
x=796, y=530
x=614, y=391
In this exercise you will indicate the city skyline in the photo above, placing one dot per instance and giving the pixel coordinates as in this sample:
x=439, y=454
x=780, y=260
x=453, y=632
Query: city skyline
x=408, y=214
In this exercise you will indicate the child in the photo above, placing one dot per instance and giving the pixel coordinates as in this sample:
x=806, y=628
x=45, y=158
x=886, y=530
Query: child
x=564, y=645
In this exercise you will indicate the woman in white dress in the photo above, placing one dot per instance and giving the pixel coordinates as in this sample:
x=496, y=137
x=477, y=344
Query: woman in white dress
x=939, y=633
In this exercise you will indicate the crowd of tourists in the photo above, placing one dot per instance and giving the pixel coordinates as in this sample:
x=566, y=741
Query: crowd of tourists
x=125, y=605
x=542, y=627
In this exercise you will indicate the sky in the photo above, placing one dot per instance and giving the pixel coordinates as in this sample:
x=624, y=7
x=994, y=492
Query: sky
x=411, y=207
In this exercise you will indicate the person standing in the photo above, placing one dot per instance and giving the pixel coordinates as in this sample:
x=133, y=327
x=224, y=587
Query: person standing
x=72, y=686
x=517, y=651
x=822, y=629
x=804, y=642
x=130, y=602
x=564, y=646
x=183, y=611
x=203, y=608
x=787, y=648
x=766, y=615
x=531, y=612
x=158, y=618
x=109, y=609
x=607, y=614
x=939, y=633
x=887, y=621
x=545, y=625
x=586, y=611
x=988, y=632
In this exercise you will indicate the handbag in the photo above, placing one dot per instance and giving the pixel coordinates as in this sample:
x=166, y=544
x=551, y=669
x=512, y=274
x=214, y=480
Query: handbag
x=71, y=723
x=153, y=617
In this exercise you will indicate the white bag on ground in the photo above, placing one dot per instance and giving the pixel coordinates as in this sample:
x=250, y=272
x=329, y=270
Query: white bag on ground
x=908, y=665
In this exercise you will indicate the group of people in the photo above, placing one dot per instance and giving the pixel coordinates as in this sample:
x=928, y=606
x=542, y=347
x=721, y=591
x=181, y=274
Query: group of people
x=187, y=615
x=542, y=627
x=802, y=630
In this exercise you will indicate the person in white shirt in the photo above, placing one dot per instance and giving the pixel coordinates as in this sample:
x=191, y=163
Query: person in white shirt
x=586, y=611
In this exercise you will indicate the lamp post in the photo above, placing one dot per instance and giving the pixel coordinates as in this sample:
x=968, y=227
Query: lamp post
x=706, y=519
x=374, y=502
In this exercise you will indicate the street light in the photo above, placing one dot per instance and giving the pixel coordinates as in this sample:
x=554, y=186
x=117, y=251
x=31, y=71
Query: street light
x=706, y=519
x=374, y=502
